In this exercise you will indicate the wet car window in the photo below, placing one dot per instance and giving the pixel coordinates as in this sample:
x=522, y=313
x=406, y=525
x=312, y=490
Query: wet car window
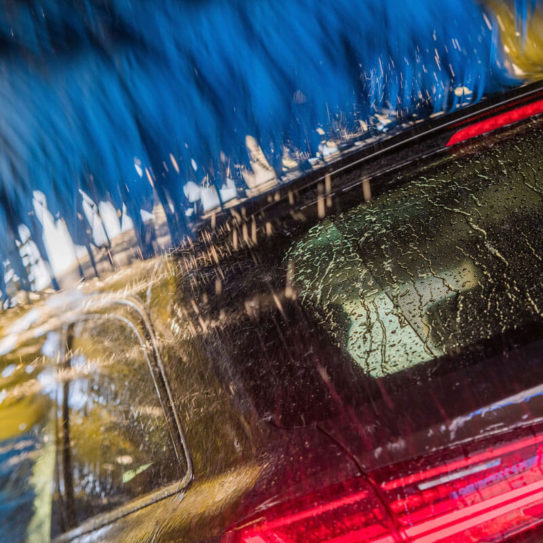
x=113, y=439
x=449, y=260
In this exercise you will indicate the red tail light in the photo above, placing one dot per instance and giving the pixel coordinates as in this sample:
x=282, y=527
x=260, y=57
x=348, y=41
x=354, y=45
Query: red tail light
x=345, y=513
x=497, y=121
x=488, y=496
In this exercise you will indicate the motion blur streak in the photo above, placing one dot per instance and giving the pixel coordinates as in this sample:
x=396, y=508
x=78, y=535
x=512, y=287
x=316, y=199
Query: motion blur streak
x=125, y=102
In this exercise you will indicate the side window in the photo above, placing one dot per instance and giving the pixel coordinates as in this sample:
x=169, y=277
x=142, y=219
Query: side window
x=116, y=440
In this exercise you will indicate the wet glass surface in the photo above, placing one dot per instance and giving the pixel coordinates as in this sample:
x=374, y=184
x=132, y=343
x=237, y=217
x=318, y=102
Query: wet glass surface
x=113, y=442
x=447, y=261
x=83, y=431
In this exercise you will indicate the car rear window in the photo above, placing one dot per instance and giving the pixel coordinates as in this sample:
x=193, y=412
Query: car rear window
x=449, y=260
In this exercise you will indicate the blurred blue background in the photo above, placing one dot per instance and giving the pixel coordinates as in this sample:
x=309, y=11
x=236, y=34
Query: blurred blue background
x=138, y=117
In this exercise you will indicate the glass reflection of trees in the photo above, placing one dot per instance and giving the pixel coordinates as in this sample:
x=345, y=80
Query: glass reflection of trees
x=113, y=442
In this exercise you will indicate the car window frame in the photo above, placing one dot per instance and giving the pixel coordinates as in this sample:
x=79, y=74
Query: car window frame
x=147, y=339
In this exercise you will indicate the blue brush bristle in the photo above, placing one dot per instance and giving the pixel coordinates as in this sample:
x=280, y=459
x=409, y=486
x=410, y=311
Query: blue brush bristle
x=88, y=87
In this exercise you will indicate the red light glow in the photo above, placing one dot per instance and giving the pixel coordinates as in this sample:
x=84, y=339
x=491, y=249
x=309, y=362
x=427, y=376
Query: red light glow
x=495, y=122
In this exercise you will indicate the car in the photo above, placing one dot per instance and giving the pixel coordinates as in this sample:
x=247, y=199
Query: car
x=354, y=356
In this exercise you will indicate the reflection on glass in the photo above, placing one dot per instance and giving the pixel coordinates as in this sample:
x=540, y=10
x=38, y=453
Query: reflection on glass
x=113, y=442
x=451, y=259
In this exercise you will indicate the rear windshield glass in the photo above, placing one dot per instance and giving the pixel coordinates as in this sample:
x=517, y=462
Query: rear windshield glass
x=446, y=265
x=447, y=261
